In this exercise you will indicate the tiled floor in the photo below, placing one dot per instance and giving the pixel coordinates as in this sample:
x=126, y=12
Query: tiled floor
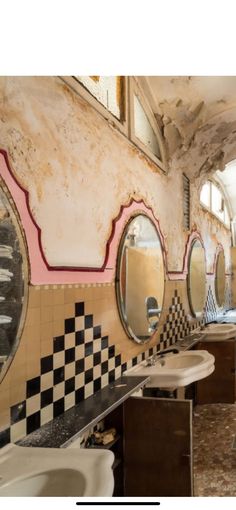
x=214, y=459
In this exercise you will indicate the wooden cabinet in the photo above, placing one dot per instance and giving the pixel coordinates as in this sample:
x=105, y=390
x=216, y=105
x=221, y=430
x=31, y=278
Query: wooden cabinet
x=153, y=450
x=158, y=447
x=220, y=386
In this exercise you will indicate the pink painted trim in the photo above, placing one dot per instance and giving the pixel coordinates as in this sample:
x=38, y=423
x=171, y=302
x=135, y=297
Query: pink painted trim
x=219, y=248
x=41, y=271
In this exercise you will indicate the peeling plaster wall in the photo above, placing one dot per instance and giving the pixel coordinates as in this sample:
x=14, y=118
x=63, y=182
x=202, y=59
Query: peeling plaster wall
x=79, y=171
x=72, y=162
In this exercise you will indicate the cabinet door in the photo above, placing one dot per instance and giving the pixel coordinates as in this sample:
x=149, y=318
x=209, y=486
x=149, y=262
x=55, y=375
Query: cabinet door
x=220, y=385
x=158, y=447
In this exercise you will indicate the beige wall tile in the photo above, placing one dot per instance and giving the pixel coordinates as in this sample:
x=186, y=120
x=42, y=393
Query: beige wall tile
x=69, y=310
x=69, y=401
x=69, y=340
x=33, y=317
x=58, y=296
x=47, y=296
x=88, y=390
x=46, y=332
x=79, y=323
x=46, y=414
x=88, y=362
x=79, y=381
x=47, y=314
x=32, y=367
x=4, y=418
x=17, y=393
x=32, y=405
x=58, y=327
x=4, y=398
x=79, y=352
x=69, y=370
x=58, y=359
x=46, y=381
x=88, y=335
x=34, y=297
x=59, y=312
x=18, y=431
x=59, y=391
x=97, y=371
x=70, y=295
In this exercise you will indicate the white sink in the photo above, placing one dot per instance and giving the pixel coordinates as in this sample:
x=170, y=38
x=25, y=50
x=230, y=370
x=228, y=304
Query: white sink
x=217, y=332
x=178, y=369
x=55, y=472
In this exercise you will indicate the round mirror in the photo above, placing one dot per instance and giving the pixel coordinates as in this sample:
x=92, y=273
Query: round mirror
x=197, y=278
x=220, y=279
x=140, y=278
x=13, y=283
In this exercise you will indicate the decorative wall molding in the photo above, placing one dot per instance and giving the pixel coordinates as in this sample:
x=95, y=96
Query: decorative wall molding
x=41, y=271
x=182, y=275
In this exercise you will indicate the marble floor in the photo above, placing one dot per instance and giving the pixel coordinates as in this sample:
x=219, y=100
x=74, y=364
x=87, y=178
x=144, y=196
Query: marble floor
x=214, y=458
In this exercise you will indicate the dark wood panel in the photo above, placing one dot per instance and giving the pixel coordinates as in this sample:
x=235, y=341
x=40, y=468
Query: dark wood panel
x=220, y=385
x=157, y=447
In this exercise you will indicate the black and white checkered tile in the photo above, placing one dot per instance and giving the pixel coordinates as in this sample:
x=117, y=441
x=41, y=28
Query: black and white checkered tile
x=177, y=325
x=210, y=306
x=228, y=293
x=82, y=362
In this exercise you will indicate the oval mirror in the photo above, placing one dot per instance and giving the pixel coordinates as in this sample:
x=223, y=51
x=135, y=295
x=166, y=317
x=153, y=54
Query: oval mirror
x=140, y=278
x=13, y=283
x=220, y=279
x=197, y=278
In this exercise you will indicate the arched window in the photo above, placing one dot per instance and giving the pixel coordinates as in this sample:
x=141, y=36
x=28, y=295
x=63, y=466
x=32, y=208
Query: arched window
x=212, y=198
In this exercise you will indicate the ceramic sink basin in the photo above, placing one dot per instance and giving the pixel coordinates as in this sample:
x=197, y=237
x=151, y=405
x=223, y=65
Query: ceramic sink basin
x=178, y=369
x=217, y=332
x=55, y=472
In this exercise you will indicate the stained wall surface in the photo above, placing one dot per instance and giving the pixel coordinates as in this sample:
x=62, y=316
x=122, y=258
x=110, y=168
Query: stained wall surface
x=79, y=171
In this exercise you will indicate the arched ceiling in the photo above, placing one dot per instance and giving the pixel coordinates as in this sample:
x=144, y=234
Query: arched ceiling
x=197, y=117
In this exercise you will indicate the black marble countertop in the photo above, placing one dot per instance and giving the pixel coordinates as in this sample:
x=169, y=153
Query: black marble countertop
x=64, y=429
x=186, y=343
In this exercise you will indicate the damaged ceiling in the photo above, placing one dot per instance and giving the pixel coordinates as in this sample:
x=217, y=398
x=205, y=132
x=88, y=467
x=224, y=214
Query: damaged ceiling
x=197, y=116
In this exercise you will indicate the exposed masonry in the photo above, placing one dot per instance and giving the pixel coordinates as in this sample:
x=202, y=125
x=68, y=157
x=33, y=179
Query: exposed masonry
x=82, y=362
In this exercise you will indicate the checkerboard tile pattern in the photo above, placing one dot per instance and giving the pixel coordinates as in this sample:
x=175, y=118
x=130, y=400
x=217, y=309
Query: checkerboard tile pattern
x=177, y=325
x=210, y=306
x=228, y=293
x=81, y=363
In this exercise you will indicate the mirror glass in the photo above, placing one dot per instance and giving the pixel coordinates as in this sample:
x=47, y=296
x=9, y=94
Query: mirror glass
x=197, y=279
x=140, y=278
x=12, y=283
x=220, y=279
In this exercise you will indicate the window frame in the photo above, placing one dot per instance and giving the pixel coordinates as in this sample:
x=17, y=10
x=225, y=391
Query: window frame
x=79, y=88
x=209, y=209
x=134, y=90
x=125, y=125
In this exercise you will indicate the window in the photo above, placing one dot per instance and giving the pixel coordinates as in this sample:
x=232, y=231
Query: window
x=213, y=199
x=143, y=129
x=121, y=101
x=108, y=90
x=205, y=196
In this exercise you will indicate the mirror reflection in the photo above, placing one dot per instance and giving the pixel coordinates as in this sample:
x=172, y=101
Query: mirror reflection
x=11, y=282
x=220, y=279
x=140, y=278
x=197, y=279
